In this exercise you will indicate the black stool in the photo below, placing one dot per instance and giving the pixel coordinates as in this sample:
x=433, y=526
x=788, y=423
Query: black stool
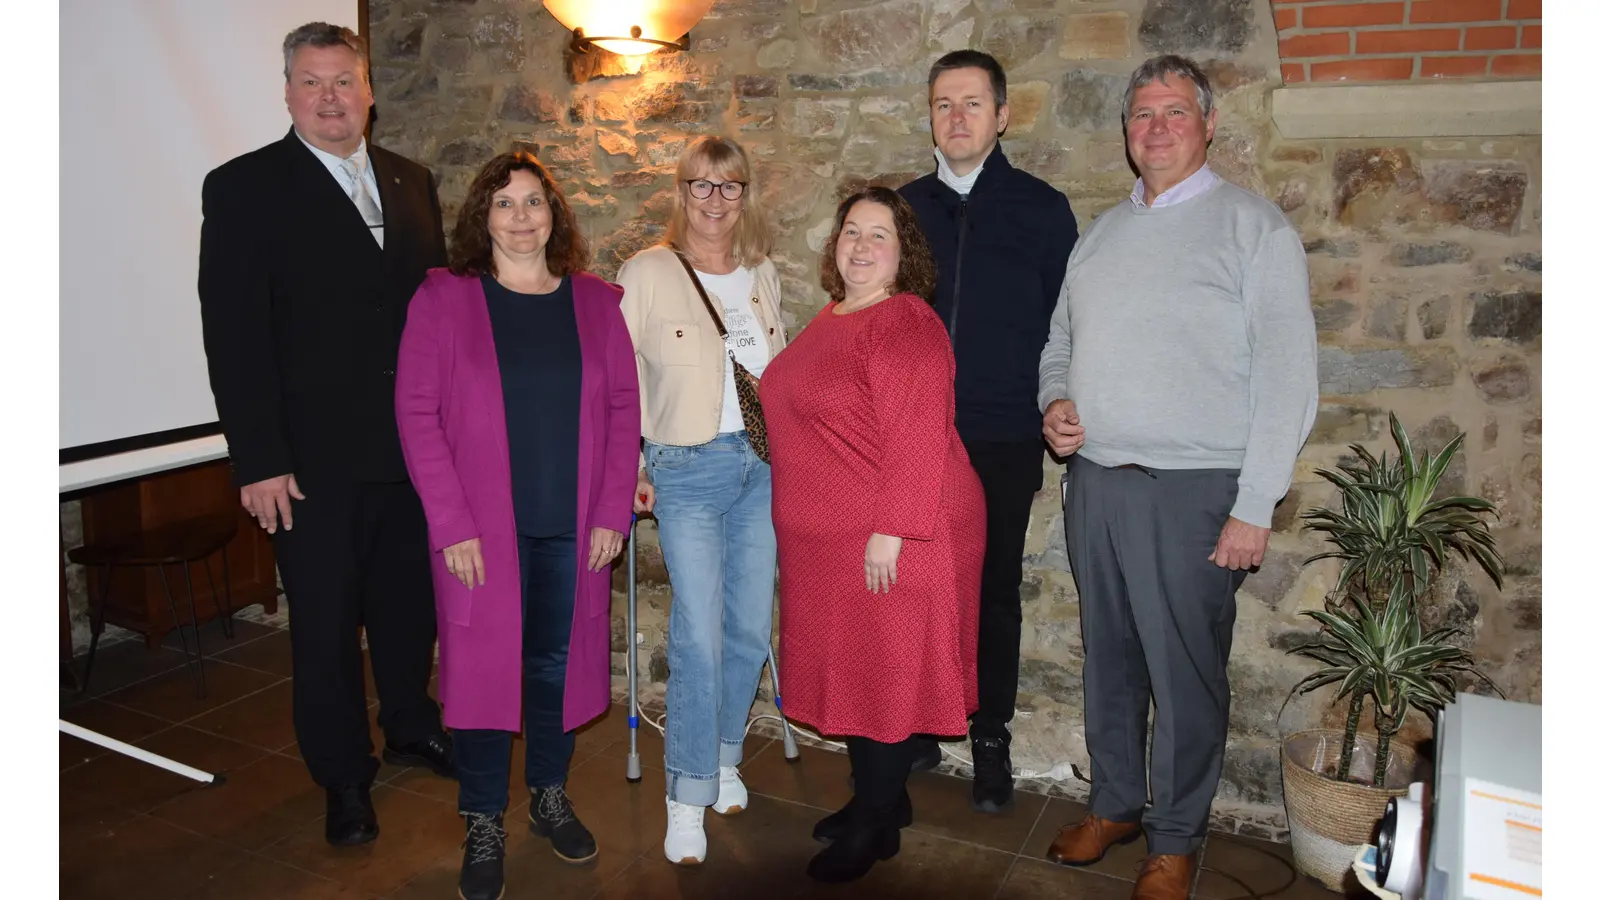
x=180, y=543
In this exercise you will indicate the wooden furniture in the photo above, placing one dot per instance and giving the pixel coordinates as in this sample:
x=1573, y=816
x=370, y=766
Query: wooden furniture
x=119, y=514
x=179, y=544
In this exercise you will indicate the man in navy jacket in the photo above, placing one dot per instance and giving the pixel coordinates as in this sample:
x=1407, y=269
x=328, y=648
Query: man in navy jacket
x=1001, y=238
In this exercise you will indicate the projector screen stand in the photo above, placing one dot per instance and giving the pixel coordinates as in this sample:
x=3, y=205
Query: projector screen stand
x=150, y=500
x=128, y=750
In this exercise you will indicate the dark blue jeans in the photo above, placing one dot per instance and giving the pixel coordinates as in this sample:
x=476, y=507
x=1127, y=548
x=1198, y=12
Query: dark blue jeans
x=483, y=755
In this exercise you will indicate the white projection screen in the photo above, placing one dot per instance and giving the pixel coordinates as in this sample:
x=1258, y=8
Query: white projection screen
x=154, y=94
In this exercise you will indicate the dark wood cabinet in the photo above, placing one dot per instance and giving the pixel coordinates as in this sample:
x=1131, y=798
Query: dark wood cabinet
x=137, y=600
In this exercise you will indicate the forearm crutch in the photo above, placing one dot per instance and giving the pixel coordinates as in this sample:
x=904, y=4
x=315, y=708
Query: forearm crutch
x=634, y=774
x=791, y=753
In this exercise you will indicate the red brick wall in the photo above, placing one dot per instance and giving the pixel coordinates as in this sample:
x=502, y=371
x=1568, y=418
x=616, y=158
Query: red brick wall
x=1407, y=40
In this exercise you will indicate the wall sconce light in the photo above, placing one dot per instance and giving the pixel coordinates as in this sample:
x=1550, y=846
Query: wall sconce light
x=629, y=27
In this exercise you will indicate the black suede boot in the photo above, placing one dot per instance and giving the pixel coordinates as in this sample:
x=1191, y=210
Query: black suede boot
x=483, y=862
x=550, y=815
x=831, y=827
x=864, y=842
x=871, y=821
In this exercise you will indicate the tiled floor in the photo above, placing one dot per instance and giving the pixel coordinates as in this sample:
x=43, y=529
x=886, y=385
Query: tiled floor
x=129, y=830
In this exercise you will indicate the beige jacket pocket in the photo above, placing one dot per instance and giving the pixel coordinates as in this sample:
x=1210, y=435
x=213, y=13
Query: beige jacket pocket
x=679, y=344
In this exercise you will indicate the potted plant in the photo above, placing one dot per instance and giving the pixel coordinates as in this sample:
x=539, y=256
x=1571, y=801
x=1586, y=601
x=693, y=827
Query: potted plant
x=1393, y=536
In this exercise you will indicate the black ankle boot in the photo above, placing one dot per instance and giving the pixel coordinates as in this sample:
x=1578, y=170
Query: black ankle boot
x=483, y=864
x=831, y=827
x=351, y=820
x=858, y=848
x=551, y=816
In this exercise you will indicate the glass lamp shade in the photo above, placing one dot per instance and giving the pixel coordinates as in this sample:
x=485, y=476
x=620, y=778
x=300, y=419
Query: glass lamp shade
x=610, y=23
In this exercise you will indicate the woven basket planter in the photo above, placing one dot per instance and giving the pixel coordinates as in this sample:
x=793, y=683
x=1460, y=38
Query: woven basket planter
x=1329, y=820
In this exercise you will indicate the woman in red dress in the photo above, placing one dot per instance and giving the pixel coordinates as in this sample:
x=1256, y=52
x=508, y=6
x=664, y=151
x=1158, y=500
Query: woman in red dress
x=880, y=524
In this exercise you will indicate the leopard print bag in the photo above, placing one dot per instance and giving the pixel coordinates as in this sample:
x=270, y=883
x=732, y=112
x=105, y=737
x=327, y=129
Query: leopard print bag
x=745, y=385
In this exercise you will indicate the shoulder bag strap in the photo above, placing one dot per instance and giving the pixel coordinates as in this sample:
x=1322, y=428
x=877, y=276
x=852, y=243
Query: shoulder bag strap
x=710, y=308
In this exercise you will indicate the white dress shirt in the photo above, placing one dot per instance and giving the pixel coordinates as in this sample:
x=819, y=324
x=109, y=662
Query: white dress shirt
x=335, y=166
x=1201, y=181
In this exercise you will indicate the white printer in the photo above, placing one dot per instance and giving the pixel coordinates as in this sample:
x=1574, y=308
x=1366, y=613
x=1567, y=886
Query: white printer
x=1484, y=806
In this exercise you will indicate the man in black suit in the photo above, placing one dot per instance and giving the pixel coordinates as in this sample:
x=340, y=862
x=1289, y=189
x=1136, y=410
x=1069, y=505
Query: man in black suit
x=309, y=253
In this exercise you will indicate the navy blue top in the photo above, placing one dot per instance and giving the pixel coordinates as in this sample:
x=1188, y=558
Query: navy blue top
x=1002, y=253
x=541, y=374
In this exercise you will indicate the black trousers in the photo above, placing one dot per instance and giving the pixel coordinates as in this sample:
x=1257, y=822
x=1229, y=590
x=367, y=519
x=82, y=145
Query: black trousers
x=1011, y=473
x=880, y=771
x=357, y=558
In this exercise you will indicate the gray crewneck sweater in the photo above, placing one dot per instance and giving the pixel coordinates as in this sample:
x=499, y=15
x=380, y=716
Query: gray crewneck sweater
x=1184, y=335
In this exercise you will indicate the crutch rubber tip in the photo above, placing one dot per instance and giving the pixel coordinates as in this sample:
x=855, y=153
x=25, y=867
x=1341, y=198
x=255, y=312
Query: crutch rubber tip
x=634, y=774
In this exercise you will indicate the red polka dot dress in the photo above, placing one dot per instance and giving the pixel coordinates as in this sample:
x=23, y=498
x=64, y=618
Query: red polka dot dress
x=860, y=414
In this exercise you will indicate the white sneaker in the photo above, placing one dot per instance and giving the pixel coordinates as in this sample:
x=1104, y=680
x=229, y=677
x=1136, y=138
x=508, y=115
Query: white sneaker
x=686, y=833
x=732, y=796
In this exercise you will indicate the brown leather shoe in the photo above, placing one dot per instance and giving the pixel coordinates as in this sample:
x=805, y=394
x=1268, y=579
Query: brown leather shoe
x=1165, y=877
x=1086, y=843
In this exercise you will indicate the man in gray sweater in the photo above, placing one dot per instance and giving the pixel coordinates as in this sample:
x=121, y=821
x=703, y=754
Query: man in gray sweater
x=1180, y=377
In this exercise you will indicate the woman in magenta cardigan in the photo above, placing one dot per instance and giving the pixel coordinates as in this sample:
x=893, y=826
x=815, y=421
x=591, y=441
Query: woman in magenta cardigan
x=518, y=403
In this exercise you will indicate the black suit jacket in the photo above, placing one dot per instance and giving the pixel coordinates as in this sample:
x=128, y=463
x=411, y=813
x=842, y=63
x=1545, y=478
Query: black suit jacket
x=301, y=310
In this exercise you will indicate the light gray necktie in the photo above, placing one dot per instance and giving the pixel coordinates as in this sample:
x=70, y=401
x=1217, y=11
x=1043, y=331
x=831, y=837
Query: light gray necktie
x=370, y=213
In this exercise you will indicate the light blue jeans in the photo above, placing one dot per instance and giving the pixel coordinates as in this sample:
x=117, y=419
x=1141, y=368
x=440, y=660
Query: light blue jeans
x=714, y=509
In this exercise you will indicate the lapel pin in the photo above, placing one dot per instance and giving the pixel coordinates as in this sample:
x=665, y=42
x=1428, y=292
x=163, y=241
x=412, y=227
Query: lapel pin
x=397, y=179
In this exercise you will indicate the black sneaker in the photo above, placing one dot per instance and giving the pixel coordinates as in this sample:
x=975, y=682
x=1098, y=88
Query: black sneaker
x=991, y=775
x=483, y=864
x=551, y=816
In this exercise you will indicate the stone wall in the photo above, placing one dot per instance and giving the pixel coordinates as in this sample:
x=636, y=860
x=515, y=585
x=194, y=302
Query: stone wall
x=71, y=513
x=1424, y=255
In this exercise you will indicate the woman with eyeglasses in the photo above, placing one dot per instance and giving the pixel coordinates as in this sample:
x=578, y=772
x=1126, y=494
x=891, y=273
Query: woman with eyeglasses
x=703, y=299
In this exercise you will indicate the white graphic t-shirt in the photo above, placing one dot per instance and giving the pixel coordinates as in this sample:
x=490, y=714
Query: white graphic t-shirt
x=749, y=345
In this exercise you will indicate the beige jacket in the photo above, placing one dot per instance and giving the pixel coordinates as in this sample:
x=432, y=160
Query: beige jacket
x=682, y=359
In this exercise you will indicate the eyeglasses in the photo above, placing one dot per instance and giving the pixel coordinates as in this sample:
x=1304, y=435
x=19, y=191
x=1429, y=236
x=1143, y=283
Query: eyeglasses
x=701, y=189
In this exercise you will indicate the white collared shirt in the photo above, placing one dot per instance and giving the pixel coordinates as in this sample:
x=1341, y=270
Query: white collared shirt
x=1201, y=181
x=335, y=166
